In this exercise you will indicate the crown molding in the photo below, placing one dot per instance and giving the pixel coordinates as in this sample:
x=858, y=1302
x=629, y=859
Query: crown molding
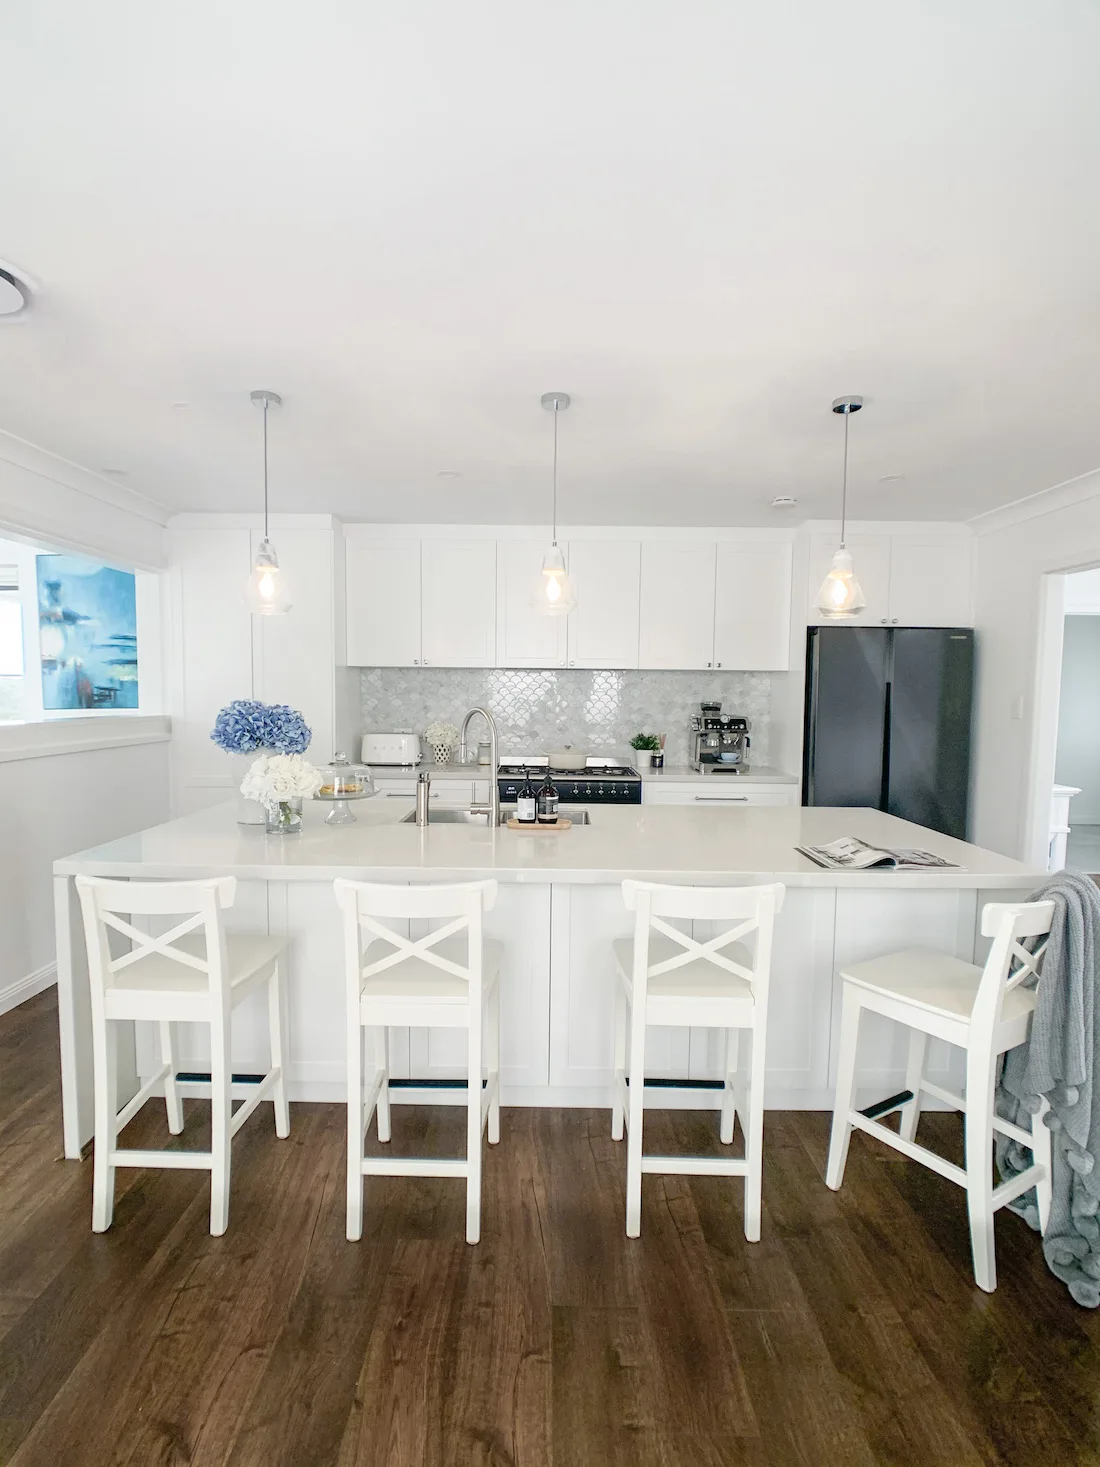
x=1033, y=506
x=46, y=465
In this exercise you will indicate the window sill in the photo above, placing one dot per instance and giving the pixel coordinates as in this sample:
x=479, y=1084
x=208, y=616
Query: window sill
x=78, y=735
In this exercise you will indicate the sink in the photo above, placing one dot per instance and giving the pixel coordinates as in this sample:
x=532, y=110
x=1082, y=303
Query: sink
x=579, y=816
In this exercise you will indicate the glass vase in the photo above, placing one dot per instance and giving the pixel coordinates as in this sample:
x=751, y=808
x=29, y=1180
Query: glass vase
x=283, y=817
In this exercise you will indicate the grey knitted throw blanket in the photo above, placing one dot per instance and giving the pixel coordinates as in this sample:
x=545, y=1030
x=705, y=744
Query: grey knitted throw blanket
x=1059, y=1063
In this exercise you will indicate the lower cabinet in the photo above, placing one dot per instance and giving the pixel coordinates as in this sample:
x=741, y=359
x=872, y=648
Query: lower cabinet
x=717, y=790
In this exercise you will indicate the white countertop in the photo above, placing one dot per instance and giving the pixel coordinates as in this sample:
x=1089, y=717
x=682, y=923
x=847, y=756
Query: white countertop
x=690, y=844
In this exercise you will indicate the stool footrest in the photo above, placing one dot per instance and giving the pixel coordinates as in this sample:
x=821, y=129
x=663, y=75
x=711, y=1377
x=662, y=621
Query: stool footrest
x=178, y=1160
x=415, y=1166
x=696, y=1166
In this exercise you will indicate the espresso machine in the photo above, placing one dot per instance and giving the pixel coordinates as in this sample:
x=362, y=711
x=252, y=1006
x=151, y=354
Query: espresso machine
x=719, y=741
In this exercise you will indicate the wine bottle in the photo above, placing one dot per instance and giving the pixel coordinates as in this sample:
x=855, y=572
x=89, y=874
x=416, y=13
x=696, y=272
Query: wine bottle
x=526, y=802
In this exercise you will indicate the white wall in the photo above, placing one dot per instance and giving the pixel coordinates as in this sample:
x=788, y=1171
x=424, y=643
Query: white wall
x=1078, y=757
x=1017, y=548
x=53, y=805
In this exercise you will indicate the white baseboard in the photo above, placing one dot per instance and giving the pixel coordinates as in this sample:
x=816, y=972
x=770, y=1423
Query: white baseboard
x=24, y=988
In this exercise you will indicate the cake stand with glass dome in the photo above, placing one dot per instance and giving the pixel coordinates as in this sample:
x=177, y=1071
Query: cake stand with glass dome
x=342, y=782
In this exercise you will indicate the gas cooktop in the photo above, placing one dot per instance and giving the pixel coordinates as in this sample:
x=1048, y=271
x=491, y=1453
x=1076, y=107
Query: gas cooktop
x=600, y=782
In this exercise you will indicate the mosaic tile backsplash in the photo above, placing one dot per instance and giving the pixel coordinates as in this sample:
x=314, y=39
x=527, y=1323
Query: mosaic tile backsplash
x=538, y=709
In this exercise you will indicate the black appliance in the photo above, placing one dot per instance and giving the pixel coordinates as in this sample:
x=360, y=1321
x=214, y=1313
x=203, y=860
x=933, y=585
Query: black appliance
x=601, y=783
x=888, y=722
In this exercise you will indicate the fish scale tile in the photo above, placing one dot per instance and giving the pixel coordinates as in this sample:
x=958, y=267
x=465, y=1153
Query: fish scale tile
x=537, y=709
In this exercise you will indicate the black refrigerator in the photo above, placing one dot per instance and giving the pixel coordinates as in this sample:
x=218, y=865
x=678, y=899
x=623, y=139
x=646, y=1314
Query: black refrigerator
x=888, y=721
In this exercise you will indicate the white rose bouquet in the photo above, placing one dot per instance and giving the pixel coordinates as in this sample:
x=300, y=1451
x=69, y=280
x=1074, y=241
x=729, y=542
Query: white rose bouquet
x=280, y=782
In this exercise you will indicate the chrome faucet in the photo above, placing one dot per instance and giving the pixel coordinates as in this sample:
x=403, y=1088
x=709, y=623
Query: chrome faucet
x=494, y=789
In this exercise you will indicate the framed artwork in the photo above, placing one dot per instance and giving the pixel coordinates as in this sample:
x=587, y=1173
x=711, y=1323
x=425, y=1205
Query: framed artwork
x=87, y=617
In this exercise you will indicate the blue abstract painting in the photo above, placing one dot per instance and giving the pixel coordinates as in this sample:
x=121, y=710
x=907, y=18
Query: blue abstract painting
x=87, y=633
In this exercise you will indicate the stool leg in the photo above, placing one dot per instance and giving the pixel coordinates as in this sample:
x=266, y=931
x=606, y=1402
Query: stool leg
x=172, y=1102
x=276, y=1017
x=914, y=1074
x=979, y=1169
x=221, y=1108
x=493, y=1046
x=105, y=1061
x=355, y=1131
x=845, y=1090
x=619, y=1061
x=473, y=1132
x=382, y=1060
x=1041, y=1151
x=729, y=1107
x=754, y=1140
x=635, y=1100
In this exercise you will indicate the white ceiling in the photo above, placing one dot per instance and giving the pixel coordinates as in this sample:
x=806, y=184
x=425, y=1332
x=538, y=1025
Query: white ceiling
x=702, y=218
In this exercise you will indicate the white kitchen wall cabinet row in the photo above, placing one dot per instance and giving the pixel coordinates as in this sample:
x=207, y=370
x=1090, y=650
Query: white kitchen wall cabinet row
x=909, y=580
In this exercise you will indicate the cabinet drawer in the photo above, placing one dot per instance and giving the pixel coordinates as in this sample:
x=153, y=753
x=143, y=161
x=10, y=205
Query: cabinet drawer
x=457, y=793
x=706, y=793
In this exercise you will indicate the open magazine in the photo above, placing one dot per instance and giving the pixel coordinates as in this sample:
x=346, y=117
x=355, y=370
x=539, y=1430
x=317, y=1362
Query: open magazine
x=849, y=853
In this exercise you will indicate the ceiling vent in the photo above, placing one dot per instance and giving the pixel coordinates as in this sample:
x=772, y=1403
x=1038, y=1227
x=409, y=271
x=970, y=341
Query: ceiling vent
x=16, y=293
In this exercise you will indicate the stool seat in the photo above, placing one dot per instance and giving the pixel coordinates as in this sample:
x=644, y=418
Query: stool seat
x=695, y=979
x=935, y=981
x=416, y=978
x=158, y=974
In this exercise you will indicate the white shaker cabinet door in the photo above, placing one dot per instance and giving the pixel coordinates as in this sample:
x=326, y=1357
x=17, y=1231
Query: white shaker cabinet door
x=524, y=638
x=603, y=631
x=383, y=601
x=871, y=563
x=930, y=581
x=458, y=580
x=752, y=607
x=676, y=605
x=295, y=655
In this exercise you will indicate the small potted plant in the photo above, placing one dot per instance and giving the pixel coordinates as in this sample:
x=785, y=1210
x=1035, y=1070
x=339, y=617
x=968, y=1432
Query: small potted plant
x=645, y=746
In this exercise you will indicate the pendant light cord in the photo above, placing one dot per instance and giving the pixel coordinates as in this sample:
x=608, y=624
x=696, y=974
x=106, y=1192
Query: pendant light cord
x=554, y=534
x=265, y=466
x=844, y=490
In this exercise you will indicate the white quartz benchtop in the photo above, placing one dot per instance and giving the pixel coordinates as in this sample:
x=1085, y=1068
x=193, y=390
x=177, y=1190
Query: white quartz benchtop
x=663, y=842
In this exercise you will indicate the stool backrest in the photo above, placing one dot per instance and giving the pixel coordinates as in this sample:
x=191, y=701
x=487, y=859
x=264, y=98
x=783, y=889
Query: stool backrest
x=1009, y=963
x=366, y=906
x=198, y=904
x=750, y=909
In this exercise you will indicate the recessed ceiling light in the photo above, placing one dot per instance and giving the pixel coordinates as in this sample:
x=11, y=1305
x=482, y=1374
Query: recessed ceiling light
x=891, y=478
x=784, y=501
x=118, y=473
x=16, y=291
x=448, y=474
x=181, y=404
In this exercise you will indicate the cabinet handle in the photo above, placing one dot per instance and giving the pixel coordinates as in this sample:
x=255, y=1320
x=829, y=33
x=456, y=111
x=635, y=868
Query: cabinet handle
x=723, y=799
x=884, y=621
x=718, y=664
x=416, y=661
x=572, y=664
x=562, y=662
x=423, y=662
x=893, y=621
x=708, y=664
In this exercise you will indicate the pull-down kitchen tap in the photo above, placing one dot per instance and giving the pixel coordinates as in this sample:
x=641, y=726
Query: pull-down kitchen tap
x=493, y=806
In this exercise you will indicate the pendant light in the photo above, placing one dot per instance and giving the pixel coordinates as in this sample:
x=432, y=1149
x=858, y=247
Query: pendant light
x=841, y=594
x=553, y=594
x=266, y=593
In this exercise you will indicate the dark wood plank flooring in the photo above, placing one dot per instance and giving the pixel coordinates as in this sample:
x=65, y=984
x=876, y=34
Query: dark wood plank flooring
x=851, y=1334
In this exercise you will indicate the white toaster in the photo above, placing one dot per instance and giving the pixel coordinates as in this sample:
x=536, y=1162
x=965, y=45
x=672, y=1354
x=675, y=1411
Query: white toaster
x=391, y=748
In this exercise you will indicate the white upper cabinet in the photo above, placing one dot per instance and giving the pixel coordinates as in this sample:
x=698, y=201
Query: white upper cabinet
x=752, y=607
x=930, y=581
x=524, y=638
x=383, y=600
x=459, y=603
x=603, y=631
x=871, y=562
x=677, y=605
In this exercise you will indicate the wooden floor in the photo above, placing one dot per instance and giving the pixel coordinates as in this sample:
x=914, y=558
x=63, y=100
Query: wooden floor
x=852, y=1334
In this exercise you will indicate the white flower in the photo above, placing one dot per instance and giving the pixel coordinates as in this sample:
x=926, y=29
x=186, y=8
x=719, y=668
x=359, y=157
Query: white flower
x=442, y=733
x=275, y=777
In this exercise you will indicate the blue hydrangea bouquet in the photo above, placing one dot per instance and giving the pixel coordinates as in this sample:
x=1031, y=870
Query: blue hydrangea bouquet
x=247, y=726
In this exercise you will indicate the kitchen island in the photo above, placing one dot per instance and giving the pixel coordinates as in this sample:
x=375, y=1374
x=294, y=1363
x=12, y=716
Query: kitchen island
x=560, y=905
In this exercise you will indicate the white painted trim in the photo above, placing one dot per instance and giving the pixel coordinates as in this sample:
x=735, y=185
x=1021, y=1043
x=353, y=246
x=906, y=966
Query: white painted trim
x=34, y=460
x=1045, y=708
x=209, y=521
x=23, y=988
x=79, y=735
x=363, y=529
x=925, y=528
x=1046, y=501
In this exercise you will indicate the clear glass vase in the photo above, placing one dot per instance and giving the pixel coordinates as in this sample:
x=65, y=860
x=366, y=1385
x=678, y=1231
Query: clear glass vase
x=283, y=817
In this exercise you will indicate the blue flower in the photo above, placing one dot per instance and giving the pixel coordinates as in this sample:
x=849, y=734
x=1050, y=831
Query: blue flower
x=246, y=725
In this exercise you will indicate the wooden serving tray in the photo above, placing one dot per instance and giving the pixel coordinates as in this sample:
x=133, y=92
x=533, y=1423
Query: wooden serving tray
x=560, y=824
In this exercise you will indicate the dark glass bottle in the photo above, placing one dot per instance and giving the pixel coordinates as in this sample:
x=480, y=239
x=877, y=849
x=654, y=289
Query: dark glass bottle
x=526, y=802
x=548, y=802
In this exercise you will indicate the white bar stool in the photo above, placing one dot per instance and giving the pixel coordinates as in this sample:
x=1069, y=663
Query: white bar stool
x=668, y=978
x=982, y=1010
x=445, y=979
x=192, y=974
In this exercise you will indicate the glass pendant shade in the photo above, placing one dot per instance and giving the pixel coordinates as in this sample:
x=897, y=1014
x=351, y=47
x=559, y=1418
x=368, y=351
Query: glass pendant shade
x=553, y=595
x=841, y=594
x=266, y=593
